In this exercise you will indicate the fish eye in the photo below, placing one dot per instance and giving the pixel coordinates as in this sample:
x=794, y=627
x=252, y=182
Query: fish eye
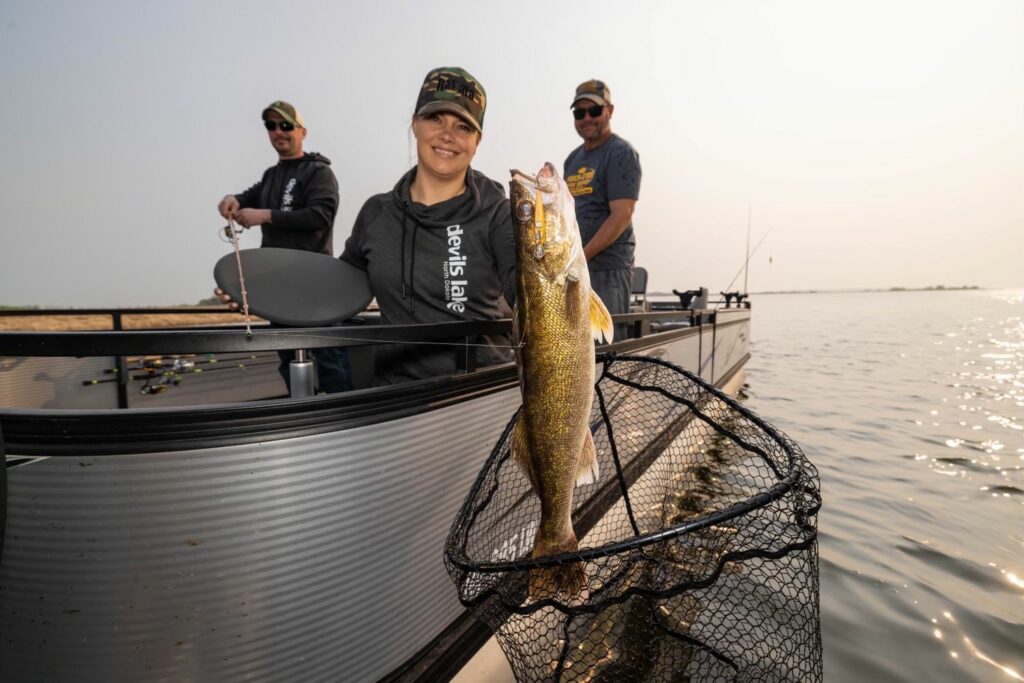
x=524, y=211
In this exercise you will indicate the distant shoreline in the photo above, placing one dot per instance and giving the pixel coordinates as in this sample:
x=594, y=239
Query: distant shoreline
x=936, y=288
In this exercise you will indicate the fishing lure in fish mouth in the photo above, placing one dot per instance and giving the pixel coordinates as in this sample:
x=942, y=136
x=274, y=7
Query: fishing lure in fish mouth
x=549, y=227
x=538, y=222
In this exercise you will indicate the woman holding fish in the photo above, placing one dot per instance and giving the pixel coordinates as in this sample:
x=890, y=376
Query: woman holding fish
x=439, y=247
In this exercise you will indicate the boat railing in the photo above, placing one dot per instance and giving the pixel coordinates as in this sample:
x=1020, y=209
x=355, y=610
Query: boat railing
x=224, y=339
x=134, y=361
x=117, y=316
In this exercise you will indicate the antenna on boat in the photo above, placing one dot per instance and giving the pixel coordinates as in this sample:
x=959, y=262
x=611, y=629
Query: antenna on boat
x=746, y=265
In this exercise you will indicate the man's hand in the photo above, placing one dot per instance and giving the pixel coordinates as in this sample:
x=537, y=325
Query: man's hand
x=250, y=217
x=228, y=206
x=225, y=299
x=619, y=217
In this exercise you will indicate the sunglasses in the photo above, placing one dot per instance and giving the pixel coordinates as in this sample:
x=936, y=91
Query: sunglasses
x=272, y=126
x=594, y=111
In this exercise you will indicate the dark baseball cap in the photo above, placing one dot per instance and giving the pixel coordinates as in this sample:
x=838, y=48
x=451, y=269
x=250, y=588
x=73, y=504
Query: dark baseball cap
x=595, y=90
x=454, y=90
x=287, y=111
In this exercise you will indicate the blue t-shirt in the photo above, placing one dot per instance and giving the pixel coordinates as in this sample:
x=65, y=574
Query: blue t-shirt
x=596, y=177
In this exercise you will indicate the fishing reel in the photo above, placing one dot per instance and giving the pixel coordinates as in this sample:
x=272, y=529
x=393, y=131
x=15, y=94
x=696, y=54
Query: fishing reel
x=230, y=232
x=161, y=385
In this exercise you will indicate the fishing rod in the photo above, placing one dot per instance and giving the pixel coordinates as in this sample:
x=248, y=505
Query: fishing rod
x=746, y=261
x=176, y=361
x=156, y=360
x=185, y=368
x=232, y=232
x=174, y=378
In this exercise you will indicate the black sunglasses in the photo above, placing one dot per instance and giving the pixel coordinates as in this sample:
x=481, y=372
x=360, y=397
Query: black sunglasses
x=285, y=126
x=594, y=111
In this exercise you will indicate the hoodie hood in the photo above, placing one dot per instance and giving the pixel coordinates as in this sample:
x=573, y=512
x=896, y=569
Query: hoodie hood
x=308, y=156
x=480, y=196
x=317, y=156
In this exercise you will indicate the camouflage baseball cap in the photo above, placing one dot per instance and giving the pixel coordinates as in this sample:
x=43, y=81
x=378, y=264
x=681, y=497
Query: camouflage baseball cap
x=454, y=90
x=287, y=111
x=594, y=90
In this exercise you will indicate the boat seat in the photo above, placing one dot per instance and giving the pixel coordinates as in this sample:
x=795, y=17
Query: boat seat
x=638, y=291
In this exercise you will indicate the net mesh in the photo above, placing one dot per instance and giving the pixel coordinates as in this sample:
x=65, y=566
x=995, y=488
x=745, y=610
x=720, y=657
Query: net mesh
x=698, y=543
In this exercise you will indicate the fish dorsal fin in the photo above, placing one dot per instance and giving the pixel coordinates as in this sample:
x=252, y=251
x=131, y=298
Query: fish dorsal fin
x=586, y=467
x=600, y=319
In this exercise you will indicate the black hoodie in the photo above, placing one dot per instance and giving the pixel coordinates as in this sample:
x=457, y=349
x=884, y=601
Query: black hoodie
x=452, y=261
x=302, y=195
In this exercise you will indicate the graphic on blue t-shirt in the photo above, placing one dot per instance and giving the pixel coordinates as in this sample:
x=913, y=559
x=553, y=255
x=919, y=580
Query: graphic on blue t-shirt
x=580, y=182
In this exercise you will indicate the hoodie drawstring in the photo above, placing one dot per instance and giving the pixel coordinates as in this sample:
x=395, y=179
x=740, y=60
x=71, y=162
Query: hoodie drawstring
x=405, y=223
x=409, y=290
x=412, y=269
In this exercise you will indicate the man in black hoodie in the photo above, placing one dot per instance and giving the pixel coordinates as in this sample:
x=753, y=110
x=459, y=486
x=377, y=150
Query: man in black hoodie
x=294, y=203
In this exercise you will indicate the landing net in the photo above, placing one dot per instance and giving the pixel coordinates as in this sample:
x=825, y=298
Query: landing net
x=698, y=541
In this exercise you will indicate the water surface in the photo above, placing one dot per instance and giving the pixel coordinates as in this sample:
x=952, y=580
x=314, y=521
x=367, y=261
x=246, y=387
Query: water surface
x=911, y=404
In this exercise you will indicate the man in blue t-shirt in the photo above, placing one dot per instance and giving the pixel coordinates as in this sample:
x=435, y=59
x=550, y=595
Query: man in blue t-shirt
x=603, y=175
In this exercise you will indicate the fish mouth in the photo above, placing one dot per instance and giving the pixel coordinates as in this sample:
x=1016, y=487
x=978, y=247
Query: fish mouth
x=525, y=179
x=546, y=180
x=539, y=204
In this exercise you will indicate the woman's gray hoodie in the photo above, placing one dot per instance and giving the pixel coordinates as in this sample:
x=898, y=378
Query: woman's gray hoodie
x=452, y=261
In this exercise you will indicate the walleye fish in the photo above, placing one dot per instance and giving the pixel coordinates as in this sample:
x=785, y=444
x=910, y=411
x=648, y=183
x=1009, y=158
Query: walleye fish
x=556, y=320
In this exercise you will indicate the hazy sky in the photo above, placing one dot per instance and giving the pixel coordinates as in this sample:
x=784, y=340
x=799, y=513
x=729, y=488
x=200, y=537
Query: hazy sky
x=881, y=141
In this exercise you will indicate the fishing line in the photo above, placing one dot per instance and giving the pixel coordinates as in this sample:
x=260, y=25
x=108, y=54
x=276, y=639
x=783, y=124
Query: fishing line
x=418, y=343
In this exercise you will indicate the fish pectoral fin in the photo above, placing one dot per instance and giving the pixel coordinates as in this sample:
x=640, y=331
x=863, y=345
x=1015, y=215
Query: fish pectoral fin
x=600, y=319
x=521, y=451
x=587, y=471
x=517, y=342
x=515, y=324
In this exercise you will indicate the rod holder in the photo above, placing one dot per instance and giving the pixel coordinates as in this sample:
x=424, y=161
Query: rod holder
x=303, y=375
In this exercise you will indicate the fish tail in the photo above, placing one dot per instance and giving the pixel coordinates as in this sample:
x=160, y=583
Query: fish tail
x=567, y=580
x=600, y=319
